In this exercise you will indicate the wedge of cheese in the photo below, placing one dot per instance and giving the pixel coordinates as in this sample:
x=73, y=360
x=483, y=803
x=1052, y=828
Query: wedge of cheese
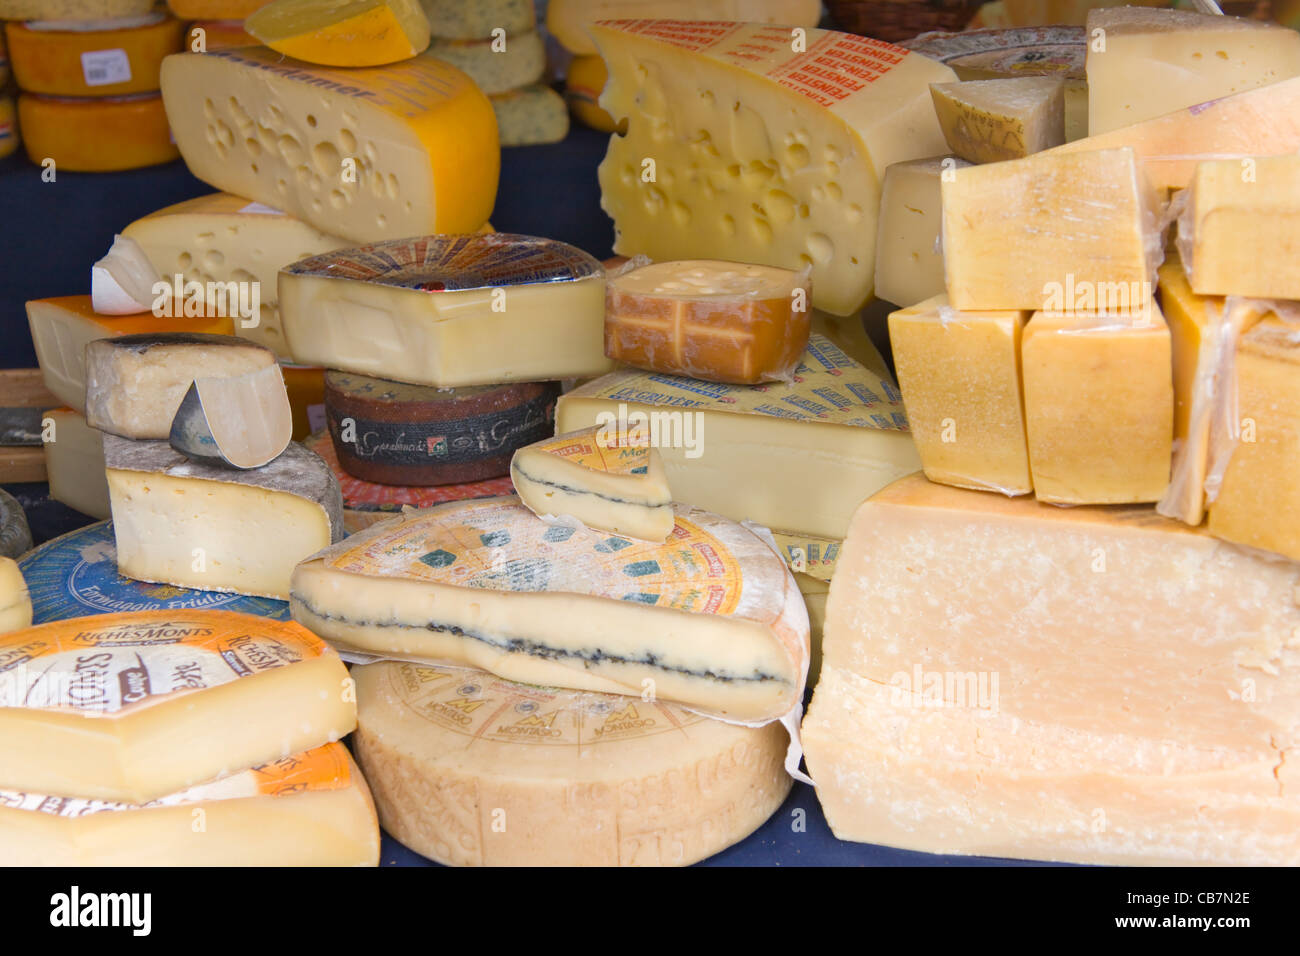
x=15, y=602
x=243, y=421
x=342, y=32
x=987, y=121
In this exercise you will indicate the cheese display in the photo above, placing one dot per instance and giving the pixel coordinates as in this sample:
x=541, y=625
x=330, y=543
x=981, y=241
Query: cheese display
x=72, y=9
x=1151, y=62
x=711, y=619
x=103, y=135
x=583, y=84
x=368, y=154
x=122, y=282
x=243, y=421
x=135, y=383
x=607, y=478
x=472, y=770
x=15, y=602
x=530, y=115
x=738, y=148
x=94, y=58
x=216, y=35
x=308, y=809
x=1121, y=691
x=822, y=444
x=497, y=64
x=456, y=19
x=74, y=462
x=960, y=377
x=909, y=258
x=986, y=121
x=214, y=9
x=449, y=310
x=342, y=32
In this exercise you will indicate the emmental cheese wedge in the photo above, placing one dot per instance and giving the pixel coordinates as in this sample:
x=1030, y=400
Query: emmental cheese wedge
x=711, y=619
x=133, y=706
x=342, y=32
x=987, y=121
x=15, y=602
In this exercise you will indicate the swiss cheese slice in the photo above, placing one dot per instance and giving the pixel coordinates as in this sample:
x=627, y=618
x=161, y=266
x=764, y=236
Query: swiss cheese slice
x=15, y=601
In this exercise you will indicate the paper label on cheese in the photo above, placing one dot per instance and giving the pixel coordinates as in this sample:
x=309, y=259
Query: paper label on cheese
x=105, y=67
x=614, y=451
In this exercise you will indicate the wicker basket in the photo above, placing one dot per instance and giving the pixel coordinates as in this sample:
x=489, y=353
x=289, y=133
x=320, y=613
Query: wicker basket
x=896, y=20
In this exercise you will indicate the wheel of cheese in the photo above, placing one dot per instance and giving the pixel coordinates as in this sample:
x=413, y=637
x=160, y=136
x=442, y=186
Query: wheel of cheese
x=94, y=57
x=15, y=536
x=469, y=769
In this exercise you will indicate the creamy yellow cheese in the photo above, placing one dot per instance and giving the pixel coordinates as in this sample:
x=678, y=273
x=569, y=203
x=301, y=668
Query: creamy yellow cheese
x=909, y=259
x=569, y=21
x=987, y=121
x=348, y=33
x=74, y=462
x=15, y=602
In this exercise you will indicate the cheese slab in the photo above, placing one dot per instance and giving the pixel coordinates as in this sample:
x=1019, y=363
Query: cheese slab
x=711, y=619
x=987, y=121
x=243, y=421
x=498, y=64
x=348, y=33
x=15, y=601
x=74, y=462
x=909, y=258
x=131, y=707
x=15, y=535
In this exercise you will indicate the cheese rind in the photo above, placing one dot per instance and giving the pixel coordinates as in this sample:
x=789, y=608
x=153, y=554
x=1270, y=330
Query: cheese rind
x=103, y=135
x=243, y=420
x=74, y=462
x=121, y=283
x=909, y=260
x=570, y=21
x=496, y=65
x=530, y=115
x=15, y=602
x=350, y=33
x=987, y=121
x=114, y=59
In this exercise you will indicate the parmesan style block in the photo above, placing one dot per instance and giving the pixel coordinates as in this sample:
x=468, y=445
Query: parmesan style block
x=569, y=21
x=909, y=260
x=608, y=478
x=15, y=602
x=342, y=32
x=243, y=421
x=495, y=65
x=1122, y=690
x=136, y=705
x=739, y=149
x=711, y=619
x=582, y=779
x=986, y=121
x=368, y=153
x=74, y=462
x=214, y=528
x=960, y=377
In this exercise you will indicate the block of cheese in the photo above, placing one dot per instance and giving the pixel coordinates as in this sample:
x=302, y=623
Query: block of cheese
x=708, y=319
x=135, y=383
x=308, y=809
x=15, y=535
x=122, y=282
x=15, y=602
x=1145, y=63
x=74, y=462
x=368, y=153
x=449, y=310
x=1122, y=690
x=243, y=421
x=711, y=619
x=472, y=770
x=1099, y=406
x=137, y=705
x=960, y=377
x=61, y=328
x=610, y=478
x=987, y=121
x=909, y=259
x=103, y=135
x=72, y=9
x=498, y=64
x=92, y=58
x=737, y=148
x=1018, y=234
x=214, y=9
x=797, y=457
x=569, y=21
x=530, y=115
x=342, y=32
x=208, y=35
x=583, y=84
x=458, y=20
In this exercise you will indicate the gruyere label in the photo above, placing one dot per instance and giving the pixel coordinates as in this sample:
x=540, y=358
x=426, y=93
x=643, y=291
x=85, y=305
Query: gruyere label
x=807, y=554
x=620, y=452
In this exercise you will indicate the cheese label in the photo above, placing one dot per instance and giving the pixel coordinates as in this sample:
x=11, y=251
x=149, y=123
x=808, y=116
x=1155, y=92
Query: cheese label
x=614, y=451
x=105, y=67
x=809, y=555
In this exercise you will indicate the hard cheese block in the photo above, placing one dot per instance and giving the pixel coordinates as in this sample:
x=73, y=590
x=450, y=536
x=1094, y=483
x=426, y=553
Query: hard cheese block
x=909, y=259
x=368, y=153
x=308, y=809
x=568, y=778
x=498, y=64
x=739, y=149
x=243, y=421
x=449, y=310
x=960, y=377
x=530, y=115
x=63, y=58
x=102, y=135
x=214, y=528
x=711, y=619
x=342, y=32
x=1122, y=690
x=134, y=706
x=608, y=478
x=15, y=602
x=987, y=121
x=796, y=457
x=459, y=20
x=74, y=462
x=569, y=21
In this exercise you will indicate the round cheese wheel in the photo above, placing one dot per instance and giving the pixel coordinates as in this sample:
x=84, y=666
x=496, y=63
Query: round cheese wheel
x=96, y=135
x=100, y=58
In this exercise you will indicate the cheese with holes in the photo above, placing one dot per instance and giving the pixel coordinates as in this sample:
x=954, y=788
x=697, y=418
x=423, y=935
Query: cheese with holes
x=606, y=477
x=216, y=35
x=960, y=377
x=909, y=257
x=1123, y=689
x=216, y=528
x=711, y=619
x=449, y=310
x=342, y=32
x=472, y=770
x=94, y=58
x=214, y=9
x=74, y=462
x=739, y=149
x=570, y=21
x=987, y=121
x=495, y=65
x=530, y=115
x=458, y=20
x=104, y=135
x=308, y=809
x=368, y=153
x=72, y=9
x=134, y=706
x=15, y=602
x=583, y=83
x=239, y=420
x=838, y=432
x=1146, y=63
x=135, y=383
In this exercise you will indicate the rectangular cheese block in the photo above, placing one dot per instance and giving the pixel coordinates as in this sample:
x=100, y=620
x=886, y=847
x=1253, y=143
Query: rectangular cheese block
x=909, y=258
x=1102, y=685
x=960, y=377
x=569, y=21
x=74, y=462
x=216, y=528
x=797, y=457
x=133, y=706
x=987, y=121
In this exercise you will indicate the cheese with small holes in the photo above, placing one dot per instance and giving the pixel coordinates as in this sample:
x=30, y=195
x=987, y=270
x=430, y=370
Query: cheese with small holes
x=737, y=148
x=530, y=115
x=1124, y=689
x=216, y=35
x=15, y=535
x=74, y=462
x=136, y=705
x=15, y=602
x=960, y=377
x=72, y=9
x=308, y=809
x=92, y=58
x=214, y=9
x=216, y=528
x=909, y=260
x=342, y=32
x=458, y=20
x=608, y=478
x=367, y=153
x=449, y=310
x=987, y=121
x=498, y=64
x=1146, y=63
x=569, y=21
x=101, y=135
x=711, y=619
x=243, y=420
x=583, y=83
x=472, y=770
x=135, y=383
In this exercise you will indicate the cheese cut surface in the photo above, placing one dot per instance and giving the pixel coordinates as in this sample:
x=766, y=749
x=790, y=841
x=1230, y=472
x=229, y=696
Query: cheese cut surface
x=15, y=601
x=102, y=135
x=607, y=477
x=309, y=809
x=909, y=259
x=449, y=310
x=1122, y=691
x=367, y=153
x=131, y=707
x=572, y=779
x=74, y=462
x=456, y=19
x=569, y=21
x=62, y=58
x=530, y=115
x=215, y=528
x=121, y=283
x=711, y=619
x=987, y=121
x=243, y=421
x=495, y=65
x=342, y=32
x=760, y=154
